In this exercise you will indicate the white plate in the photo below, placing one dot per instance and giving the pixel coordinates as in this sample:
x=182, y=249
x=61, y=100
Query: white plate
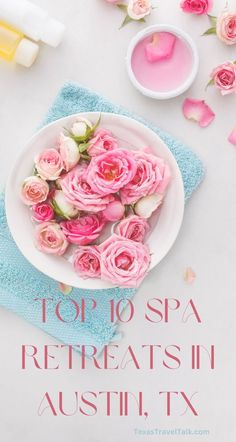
x=130, y=134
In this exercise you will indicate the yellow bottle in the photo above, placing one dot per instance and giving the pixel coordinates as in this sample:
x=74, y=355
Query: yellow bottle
x=14, y=46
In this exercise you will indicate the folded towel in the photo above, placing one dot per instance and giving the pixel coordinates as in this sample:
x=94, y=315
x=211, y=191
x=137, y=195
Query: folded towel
x=21, y=283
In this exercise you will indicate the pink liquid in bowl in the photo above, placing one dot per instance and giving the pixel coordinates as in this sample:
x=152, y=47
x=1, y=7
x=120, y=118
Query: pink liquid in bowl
x=163, y=75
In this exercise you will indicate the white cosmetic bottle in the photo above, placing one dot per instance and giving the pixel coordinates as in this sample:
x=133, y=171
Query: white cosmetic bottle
x=32, y=21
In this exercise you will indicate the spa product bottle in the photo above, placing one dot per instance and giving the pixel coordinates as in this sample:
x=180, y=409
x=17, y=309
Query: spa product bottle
x=32, y=21
x=14, y=46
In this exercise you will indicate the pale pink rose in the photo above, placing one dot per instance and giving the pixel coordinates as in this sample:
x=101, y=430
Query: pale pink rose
x=114, y=211
x=109, y=172
x=232, y=137
x=124, y=262
x=50, y=239
x=42, y=212
x=78, y=191
x=152, y=176
x=34, y=190
x=102, y=142
x=69, y=152
x=224, y=77
x=138, y=9
x=83, y=230
x=49, y=164
x=226, y=27
x=86, y=261
x=134, y=227
x=198, y=7
x=198, y=111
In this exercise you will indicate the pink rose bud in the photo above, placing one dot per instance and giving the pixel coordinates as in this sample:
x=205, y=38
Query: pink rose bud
x=226, y=27
x=42, y=212
x=49, y=164
x=114, y=211
x=102, y=142
x=50, y=239
x=147, y=205
x=133, y=227
x=83, y=230
x=86, y=260
x=80, y=127
x=161, y=46
x=124, y=262
x=34, y=190
x=224, y=77
x=138, y=9
x=198, y=7
x=69, y=152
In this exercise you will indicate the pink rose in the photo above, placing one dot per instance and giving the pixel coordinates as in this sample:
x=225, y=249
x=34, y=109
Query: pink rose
x=152, y=176
x=83, y=230
x=69, y=152
x=101, y=143
x=138, y=9
x=78, y=191
x=86, y=262
x=114, y=211
x=109, y=172
x=198, y=7
x=226, y=27
x=134, y=227
x=49, y=164
x=34, y=190
x=224, y=77
x=50, y=238
x=124, y=262
x=42, y=212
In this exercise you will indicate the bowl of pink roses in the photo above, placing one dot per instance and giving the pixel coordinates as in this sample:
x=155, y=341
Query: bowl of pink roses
x=95, y=200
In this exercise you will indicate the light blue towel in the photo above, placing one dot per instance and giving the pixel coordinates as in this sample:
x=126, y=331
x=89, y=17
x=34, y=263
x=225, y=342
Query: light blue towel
x=21, y=283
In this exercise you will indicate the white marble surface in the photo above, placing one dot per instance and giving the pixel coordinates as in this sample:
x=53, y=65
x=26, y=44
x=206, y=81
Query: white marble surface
x=93, y=54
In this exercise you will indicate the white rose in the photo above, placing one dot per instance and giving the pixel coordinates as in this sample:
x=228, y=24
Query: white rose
x=80, y=126
x=147, y=205
x=62, y=207
x=138, y=9
x=69, y=151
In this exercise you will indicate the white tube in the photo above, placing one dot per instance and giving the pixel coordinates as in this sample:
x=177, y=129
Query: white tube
x=32, y=21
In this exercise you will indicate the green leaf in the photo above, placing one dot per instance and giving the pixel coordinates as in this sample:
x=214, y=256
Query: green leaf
x=58, y=211
x=35, y=172
x=83, y=147
x=210, y=31
x=122, y=6
x=126, y=20
x=92, y=129
x=85, y=157
x=213, y=19
x=234, y=62
x=211, y=82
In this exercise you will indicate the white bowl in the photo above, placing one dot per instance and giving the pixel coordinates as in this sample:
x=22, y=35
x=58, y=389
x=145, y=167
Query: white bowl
x=130, y=134
x=179, y=33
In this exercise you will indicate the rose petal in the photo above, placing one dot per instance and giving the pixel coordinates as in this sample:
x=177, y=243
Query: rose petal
x=232, y=137
x=199, y=111
x=64, y=288
x=189, y=275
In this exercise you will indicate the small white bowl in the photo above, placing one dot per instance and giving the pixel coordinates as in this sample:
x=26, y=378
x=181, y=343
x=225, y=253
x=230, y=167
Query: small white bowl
x=179, y=33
